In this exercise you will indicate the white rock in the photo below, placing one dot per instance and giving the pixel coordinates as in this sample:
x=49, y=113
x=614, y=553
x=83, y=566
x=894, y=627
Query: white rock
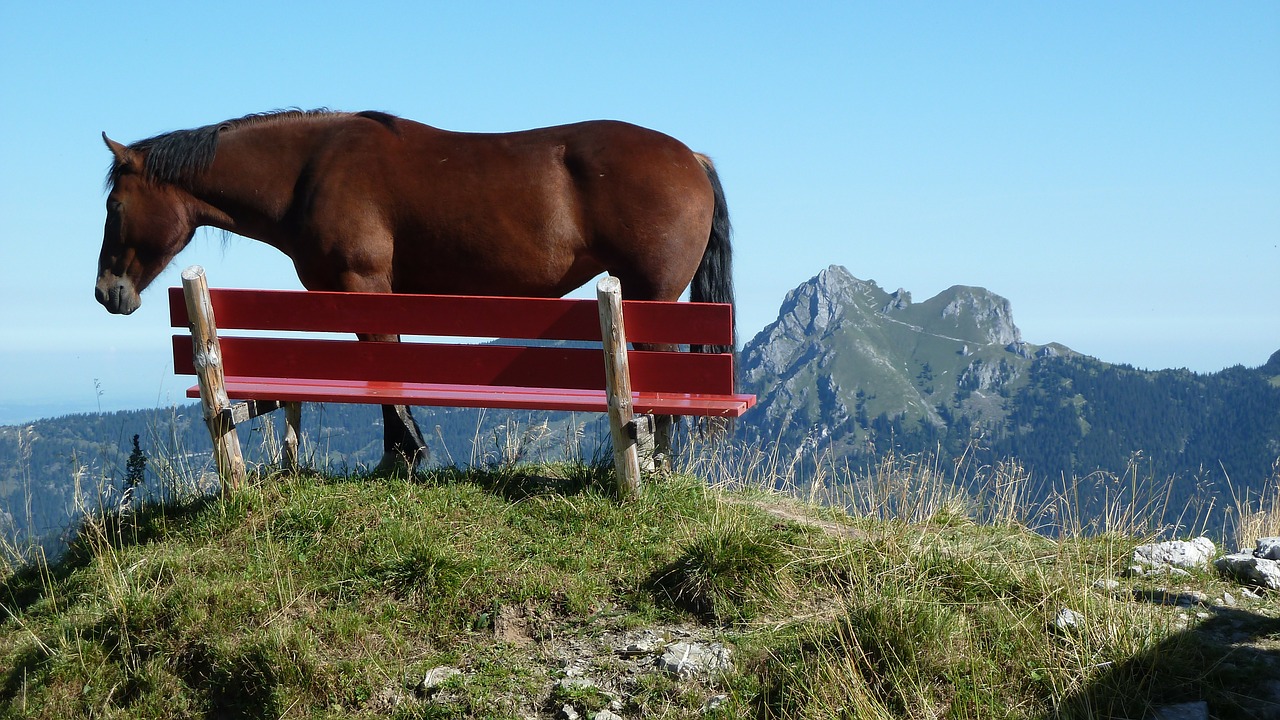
x=1067, y=619
x=437, y=676
x=1247, y=568
x=1178, y=553
x=1106, y=584
x=1268, y=548
x=686, y=659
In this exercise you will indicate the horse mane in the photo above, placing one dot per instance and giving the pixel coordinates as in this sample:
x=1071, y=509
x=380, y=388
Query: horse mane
x=179, y=155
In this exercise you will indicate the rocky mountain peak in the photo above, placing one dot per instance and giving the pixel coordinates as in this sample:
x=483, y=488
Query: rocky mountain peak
x=979, y=311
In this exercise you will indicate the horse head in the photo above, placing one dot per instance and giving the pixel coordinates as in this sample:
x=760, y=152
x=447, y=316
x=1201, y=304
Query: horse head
x=148, y=222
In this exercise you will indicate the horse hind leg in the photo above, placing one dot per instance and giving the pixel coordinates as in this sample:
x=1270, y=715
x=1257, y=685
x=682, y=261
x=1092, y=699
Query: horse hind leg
x=403, y=448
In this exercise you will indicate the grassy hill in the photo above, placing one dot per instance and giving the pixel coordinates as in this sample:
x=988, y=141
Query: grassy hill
x=518, y=590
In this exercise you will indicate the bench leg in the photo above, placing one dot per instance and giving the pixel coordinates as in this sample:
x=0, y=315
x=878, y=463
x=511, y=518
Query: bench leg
x=663, y=429
x=644, y=442
x=292, y=436
x=226, y=450
x=653, y=442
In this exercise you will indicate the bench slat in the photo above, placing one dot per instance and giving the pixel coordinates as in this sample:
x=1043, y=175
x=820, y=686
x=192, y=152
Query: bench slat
x=499, y=365
x=449, y=315
x=508, y=398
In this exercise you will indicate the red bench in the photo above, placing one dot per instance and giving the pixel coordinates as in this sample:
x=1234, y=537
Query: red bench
x=270, y=371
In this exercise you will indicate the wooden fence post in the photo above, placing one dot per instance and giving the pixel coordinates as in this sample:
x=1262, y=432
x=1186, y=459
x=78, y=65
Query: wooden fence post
x=207, y=359
x=617, y=378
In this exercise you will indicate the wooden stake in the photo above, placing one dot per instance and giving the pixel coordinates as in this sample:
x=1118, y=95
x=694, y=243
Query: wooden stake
x=213, y=387
x=618, y=386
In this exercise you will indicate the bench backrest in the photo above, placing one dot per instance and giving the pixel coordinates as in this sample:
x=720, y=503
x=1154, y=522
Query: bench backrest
x=431, y=361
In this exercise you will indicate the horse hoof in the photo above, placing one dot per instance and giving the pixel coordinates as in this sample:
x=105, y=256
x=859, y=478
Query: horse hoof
x=394, y=465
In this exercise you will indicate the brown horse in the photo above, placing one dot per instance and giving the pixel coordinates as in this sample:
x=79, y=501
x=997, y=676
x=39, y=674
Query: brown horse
x=372, y=202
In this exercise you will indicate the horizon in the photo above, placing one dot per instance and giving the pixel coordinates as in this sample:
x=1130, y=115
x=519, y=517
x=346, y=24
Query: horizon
x=1111, y=170
x=172, y=391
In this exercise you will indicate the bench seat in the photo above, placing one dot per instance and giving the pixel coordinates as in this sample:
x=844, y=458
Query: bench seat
x=475, y=396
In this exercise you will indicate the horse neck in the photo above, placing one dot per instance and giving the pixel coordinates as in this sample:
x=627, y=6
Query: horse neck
x=250, y=185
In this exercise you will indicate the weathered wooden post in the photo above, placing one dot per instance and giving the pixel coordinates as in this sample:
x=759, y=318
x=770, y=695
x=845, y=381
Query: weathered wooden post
x=617, y=380
x=207, y=357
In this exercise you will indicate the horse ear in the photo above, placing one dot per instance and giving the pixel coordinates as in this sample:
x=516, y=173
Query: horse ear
x=123, y=155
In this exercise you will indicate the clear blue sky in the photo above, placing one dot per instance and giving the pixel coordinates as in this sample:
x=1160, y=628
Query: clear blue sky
x=1111, y=168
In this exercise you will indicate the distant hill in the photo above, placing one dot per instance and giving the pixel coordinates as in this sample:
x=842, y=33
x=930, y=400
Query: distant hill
x=50, y=468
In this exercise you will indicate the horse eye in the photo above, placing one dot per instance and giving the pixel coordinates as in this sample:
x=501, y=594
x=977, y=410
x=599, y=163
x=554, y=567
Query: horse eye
x=115, y=206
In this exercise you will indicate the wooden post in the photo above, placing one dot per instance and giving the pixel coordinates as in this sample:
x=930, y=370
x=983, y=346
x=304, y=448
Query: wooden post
x=292, y=436
x=617, y=378
x=213, y=388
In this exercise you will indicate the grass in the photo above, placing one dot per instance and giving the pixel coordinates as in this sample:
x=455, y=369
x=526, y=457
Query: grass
x=334, y=596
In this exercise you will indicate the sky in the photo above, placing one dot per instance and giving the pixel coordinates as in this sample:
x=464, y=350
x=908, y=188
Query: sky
x=1113, y=169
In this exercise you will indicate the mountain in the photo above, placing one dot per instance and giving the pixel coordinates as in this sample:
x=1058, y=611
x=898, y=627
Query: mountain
x=844, y=351
x=853, y=372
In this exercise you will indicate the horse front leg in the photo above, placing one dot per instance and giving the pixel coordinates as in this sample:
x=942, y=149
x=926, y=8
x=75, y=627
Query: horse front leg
x=403, y=448
x=402, y=445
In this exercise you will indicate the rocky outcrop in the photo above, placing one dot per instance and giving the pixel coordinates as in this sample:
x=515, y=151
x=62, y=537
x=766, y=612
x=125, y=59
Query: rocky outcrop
x=989, y=313
x=1260, y=567
x=1185, y=554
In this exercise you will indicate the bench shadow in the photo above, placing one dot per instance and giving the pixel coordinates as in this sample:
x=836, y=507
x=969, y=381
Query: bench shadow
x=1231, y=661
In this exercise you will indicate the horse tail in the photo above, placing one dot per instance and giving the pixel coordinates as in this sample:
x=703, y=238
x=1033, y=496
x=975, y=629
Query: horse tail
x=713, y=281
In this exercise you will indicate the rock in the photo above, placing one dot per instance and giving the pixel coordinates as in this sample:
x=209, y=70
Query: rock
x=685, y=660
x=1176, y=553
x=576, y=683
x=436, y=677
x=568, y=712
x=648, y=643
x=1247, y=568
x=1185, y=711
x=606, y=715
x=714, y=702
x=1228, y=599
x=1268, y=548
x=1106, y=584
x=1068, y=620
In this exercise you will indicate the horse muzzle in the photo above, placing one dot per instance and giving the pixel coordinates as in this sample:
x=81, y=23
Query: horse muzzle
x=117, y=295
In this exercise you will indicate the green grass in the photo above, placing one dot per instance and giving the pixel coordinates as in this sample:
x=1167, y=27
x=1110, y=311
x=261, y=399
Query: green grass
x=318, y=596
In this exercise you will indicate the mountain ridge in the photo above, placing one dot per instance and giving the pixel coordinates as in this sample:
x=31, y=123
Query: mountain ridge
x=852, y=372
